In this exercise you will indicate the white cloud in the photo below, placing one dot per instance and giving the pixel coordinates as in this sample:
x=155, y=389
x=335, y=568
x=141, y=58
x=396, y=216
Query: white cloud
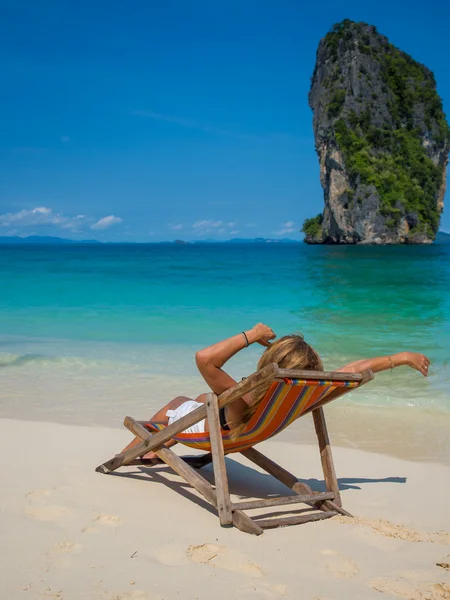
x=41, y=210
x=215, y=228
x=176, y=227
x=73, y=224
x=206, y=225
x=288, y=227
x=41, y=215
x=106, y=222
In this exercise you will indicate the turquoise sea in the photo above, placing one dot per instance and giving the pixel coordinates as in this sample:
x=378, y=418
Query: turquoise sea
x=89, y=332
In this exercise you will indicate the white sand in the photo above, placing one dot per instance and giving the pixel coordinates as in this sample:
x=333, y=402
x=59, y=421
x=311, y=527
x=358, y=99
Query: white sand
x=69, y=533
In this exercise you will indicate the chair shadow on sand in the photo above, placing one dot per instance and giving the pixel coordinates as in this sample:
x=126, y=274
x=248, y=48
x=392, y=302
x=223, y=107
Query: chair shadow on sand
x=244, y=482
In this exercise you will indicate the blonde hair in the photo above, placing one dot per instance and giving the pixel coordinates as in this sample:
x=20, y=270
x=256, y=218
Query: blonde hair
x=289, y=352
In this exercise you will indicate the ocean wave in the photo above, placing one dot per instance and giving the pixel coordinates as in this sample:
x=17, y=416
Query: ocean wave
x=10, y=360
x=19, y=360
x=388, y=398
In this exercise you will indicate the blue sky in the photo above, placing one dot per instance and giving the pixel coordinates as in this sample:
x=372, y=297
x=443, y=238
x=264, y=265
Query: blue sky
x=149, y=121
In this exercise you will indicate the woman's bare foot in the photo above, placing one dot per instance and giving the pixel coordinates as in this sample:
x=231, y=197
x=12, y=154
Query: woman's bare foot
x=150, y=456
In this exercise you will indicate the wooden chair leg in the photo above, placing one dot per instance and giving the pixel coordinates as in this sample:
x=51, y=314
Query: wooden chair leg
x=124, y=458
x=325, y=455
x=218, y=456
x=245, y=523
x=177, y=464
x=290, y=480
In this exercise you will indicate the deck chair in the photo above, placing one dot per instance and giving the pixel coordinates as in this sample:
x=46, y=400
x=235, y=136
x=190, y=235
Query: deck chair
x=289, y=394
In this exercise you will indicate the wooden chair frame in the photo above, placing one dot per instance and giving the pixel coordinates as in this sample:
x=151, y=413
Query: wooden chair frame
x=321, y=505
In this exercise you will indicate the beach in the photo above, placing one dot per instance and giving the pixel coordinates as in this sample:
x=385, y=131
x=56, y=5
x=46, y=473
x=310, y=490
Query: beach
x=70, y=533
x=235, y=209
x=90, y=335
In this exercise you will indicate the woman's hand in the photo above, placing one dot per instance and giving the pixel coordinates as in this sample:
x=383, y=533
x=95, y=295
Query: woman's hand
x=417, y=361
x=260, y=333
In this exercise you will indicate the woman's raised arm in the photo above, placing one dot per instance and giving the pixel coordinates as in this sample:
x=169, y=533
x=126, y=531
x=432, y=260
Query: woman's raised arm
x=210, y=360
x=381, y=363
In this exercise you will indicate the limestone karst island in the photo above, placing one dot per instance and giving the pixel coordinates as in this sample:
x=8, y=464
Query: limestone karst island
x=382, y=140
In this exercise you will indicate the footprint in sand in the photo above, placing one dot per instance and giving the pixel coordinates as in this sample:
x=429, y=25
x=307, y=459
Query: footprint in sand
x=62, y=555
x=66, y=548
x=108, y=595
x=393, y=530
x=396, y=587
x=37, y=495
x=48, y=513
x=341, y=566
x=104, y=520
x=222, y=557
x=113, y=520
x=440, y=590
x=404, y=588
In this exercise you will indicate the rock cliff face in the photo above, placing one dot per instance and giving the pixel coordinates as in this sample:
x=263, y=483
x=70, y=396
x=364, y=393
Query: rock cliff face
x=382, y=141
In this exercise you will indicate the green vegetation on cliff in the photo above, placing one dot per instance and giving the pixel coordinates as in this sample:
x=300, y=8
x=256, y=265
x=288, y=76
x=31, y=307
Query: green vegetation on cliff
x=313, y=227
x=403, y=174
x=388, y=122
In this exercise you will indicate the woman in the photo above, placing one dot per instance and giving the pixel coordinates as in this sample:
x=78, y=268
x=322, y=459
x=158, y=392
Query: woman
x=289, y=352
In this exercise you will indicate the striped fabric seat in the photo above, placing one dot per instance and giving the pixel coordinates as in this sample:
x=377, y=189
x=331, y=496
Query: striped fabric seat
x=284, y=402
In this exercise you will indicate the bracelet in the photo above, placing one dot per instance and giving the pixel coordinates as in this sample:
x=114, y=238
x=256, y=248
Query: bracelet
x=245, y=338
x=391, y=362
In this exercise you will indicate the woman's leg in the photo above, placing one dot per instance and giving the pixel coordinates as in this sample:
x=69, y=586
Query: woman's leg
x=160, y=417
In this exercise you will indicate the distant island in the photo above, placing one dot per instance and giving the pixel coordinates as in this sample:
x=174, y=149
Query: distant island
x=441, y=238
x=42, y=239
x=258, y=240
x=50, y=240
x=382, y=140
